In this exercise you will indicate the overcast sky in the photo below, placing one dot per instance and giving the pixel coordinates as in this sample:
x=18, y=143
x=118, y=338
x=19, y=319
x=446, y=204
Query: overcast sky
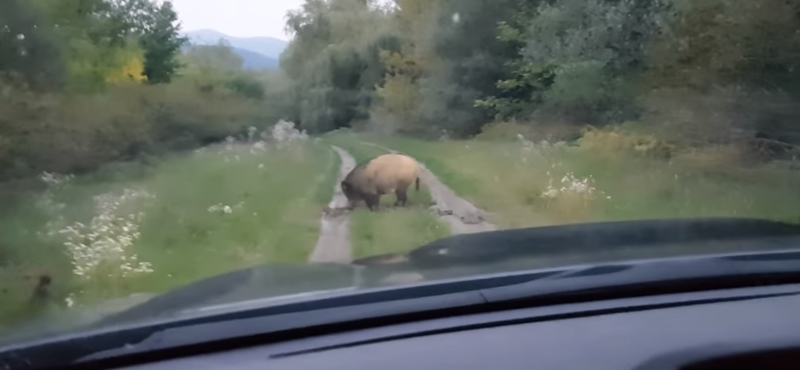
x=242, y=18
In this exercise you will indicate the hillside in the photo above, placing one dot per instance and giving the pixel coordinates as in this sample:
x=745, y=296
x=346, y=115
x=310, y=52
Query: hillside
x=267, y=46
x=250, y=60
x=256, y=61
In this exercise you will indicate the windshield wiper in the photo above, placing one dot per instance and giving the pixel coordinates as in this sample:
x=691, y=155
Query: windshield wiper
x=395, y=305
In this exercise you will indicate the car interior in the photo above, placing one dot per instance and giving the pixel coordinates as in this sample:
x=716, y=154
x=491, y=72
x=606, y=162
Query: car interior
x=708, y=330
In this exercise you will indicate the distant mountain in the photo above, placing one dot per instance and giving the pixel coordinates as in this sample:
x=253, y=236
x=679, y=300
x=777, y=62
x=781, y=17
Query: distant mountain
x=267, y=46
x=250, y=59
x=256, y=61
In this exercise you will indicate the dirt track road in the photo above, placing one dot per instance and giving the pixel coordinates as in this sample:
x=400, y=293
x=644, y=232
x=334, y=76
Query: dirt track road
x=333, y=245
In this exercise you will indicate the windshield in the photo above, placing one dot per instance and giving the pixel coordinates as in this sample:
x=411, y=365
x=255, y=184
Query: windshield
x=146, y=145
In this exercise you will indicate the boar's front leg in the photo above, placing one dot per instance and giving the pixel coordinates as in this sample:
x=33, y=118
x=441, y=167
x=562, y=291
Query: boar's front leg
x=373, y=201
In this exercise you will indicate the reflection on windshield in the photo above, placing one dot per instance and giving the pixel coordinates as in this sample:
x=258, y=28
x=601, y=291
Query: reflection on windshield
x=144, y=148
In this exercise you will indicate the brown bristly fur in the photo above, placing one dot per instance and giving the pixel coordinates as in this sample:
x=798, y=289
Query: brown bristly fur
x=382, y=175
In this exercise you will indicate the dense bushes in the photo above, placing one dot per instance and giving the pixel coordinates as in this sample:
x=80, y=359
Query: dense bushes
x=68, y=133
x=693, y=73
x=86, y=82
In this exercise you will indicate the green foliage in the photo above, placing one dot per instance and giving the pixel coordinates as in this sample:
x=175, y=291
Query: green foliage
x=719, y=42
x=274, y=194
x=27, y=51
x=205, y=59
x=472, y=58
x=335, y=62
x=162, y=43
x=575, y=60
x=522, y=94
x=67, y=134
x=454, y=65
x=218, y=66
x=247, y=88
x=71, y=75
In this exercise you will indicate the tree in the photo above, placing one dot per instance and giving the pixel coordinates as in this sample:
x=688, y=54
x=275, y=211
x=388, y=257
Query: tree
x=400, y=97
x=94, y=37
x=162, y=43
x=28, y=48
x=334, y=63
x=469, y=59
x=131, y=70
x=576, y=60
x=207, y=59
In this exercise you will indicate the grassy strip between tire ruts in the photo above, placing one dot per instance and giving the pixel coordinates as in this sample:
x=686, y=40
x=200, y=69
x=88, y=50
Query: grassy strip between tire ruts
x=392, y=230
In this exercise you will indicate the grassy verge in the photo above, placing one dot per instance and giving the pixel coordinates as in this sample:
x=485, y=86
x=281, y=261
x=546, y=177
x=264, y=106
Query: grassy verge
x=393, y=230
x=529, y=185
x=188, y=217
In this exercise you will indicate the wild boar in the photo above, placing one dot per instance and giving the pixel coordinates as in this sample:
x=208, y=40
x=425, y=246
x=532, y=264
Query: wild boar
x=381, y=175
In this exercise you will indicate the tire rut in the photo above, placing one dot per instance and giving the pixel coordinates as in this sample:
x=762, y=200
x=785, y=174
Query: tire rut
x=333, y=245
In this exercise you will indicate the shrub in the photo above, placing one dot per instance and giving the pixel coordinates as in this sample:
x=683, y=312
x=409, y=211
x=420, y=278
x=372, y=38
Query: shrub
x=713, y=158
x=536, y=131
x=758, y=122
x=66, y=133
x=613, y=142
x=246, y=87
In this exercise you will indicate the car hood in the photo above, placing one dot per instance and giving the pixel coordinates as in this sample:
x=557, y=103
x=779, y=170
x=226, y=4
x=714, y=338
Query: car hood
x=258, y=285
x=455, y=257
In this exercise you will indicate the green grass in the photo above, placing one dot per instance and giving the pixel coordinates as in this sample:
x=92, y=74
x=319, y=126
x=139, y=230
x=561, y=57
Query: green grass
x=276, y=198
x=508, y=181
x=352, y=144
x=395, y=230
x=392, y=230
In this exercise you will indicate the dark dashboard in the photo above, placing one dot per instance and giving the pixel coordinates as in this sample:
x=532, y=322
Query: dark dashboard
x=634, y=333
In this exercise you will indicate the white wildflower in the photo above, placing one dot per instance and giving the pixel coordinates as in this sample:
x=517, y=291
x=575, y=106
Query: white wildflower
x=229, y=141
x=54, y=179
x=47, y=203
x=527, y=145
x=215, y=208
x=224, y=209
x=107, y=237
x=258, y=147
x=284, y=131
x=70, y=300
x=570, y=184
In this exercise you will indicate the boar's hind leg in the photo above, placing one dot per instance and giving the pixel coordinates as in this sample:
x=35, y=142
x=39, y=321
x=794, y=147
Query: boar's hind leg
x=402, y=198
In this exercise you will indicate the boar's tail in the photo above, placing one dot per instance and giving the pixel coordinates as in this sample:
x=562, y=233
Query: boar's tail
x=416, y=186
